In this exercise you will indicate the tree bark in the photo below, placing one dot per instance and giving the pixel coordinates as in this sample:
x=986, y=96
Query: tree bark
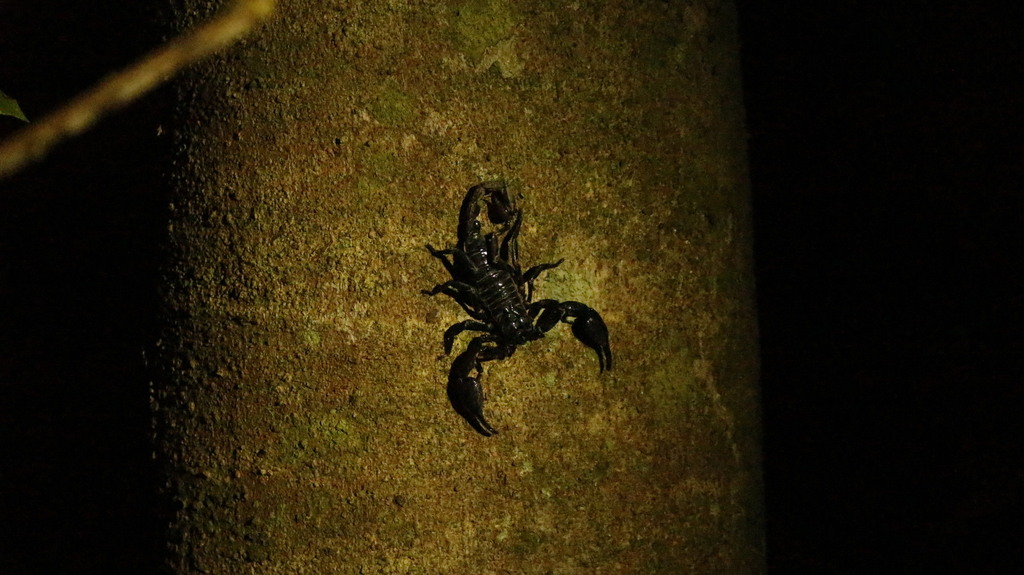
x=301, y=413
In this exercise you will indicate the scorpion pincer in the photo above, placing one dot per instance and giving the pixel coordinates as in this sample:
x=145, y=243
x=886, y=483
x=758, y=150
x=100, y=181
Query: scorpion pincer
x=489, y=285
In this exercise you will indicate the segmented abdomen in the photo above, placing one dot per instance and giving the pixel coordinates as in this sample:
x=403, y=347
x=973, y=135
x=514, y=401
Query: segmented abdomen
x=499, y=294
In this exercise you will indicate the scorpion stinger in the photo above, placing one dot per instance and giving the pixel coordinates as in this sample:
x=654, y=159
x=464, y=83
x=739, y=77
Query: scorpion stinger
x=490, y=286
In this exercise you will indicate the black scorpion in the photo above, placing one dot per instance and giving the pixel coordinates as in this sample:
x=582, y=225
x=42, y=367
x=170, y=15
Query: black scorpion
x=489, y=285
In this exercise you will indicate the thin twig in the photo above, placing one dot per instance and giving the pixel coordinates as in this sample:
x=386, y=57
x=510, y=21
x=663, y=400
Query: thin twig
x=35, y=140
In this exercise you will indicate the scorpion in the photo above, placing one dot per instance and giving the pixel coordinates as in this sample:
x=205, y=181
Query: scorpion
x=489, y=284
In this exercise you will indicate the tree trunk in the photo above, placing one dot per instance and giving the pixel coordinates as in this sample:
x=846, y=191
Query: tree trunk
x=301, y=413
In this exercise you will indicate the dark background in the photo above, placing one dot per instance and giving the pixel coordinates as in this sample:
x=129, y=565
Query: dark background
x=78, y=256
x=886, y=163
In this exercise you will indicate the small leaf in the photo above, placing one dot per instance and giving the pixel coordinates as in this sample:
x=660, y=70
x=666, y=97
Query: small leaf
x=9, y=107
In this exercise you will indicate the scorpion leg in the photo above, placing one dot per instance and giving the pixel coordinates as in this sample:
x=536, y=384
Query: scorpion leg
x=463, y=295
x=451, y=333
x=441, y=255
x=464, y=390
x=510, y=254
x=587, y=325
x=532, y=274
x=452, y=288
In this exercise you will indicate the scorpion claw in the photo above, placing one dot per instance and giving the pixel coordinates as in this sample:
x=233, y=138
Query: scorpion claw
x=465, y=392
x=589, y=328
x=467, y=398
